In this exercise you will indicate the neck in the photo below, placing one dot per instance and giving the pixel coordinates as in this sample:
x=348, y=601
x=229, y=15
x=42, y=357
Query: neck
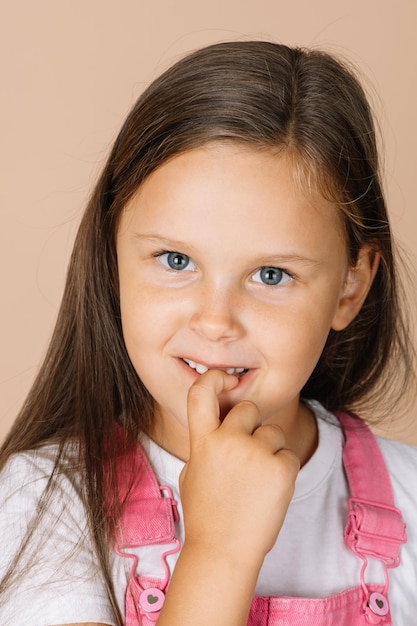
x=304, y=438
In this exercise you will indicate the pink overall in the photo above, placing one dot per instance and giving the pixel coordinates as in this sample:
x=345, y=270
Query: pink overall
x=374, y=529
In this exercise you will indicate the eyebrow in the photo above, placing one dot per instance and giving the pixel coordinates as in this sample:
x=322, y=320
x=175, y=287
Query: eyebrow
x=168, y=242
x=270, y=258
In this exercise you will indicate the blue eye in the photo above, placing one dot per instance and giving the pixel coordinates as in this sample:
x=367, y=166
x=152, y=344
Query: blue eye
x=271, y=276
x=176, y=261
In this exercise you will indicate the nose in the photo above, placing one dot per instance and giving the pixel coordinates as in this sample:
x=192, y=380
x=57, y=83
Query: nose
x=217, y=314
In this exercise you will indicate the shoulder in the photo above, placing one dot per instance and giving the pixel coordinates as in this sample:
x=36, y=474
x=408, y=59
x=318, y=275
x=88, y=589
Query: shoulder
x=26, y=475
x=41, y=461
x=400, y=459
x=34, y=491
x=401, y=462
x=397, y=453
x=27, y=472
x=33, y=464
x=24, y=492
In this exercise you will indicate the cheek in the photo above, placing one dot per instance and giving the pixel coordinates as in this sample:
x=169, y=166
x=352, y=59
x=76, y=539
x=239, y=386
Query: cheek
x=136, y=323
x=147, y=322
x=297, y=337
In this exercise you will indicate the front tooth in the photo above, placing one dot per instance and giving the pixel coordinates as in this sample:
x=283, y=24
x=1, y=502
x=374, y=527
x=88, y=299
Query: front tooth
x=201, y=369
x=230, y=370
x=240, y=370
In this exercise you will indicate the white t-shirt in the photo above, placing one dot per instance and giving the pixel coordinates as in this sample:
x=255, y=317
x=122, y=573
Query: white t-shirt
x=309, y=558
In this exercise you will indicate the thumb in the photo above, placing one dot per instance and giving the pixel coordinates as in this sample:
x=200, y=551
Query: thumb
x=203, y=402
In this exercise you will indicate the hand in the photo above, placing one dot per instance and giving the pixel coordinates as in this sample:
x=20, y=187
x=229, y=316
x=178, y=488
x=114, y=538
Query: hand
x=239, y=480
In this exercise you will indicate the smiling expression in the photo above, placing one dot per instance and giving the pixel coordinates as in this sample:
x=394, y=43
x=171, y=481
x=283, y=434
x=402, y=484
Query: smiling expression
x=225, y=263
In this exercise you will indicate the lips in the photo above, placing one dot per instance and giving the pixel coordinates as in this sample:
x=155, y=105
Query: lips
x=200, y=368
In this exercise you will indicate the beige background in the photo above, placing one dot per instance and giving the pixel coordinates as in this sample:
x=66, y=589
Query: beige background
x=71, y=69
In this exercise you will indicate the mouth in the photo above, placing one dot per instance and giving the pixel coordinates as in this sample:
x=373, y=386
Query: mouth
x=200, y=368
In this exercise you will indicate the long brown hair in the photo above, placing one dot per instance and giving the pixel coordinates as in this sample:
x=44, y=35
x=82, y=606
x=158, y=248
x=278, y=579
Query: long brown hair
x=263, y=95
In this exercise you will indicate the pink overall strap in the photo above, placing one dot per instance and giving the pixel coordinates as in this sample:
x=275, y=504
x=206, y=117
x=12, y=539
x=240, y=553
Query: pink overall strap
x=148, y=517
x=375, y=528
x=149, y=513
x=365, y=468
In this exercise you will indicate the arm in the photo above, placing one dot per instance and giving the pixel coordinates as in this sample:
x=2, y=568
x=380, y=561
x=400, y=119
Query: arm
x=233, y=509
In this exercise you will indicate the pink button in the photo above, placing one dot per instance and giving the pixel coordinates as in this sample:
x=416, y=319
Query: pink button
x=151, y=600
x=378, y=604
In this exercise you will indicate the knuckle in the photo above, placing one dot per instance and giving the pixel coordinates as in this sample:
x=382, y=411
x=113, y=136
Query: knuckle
x=292, y=461
x=248, y=405
x=287, y=463
x=275, y=429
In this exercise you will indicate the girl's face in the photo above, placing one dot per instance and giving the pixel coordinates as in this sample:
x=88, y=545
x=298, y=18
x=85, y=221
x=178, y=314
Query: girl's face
x=225, y=263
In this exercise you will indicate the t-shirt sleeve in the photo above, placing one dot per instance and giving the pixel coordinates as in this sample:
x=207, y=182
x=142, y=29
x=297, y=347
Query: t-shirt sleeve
x=58, y=580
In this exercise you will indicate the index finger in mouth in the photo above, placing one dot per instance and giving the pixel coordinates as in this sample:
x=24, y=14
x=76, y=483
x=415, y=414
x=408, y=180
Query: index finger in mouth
x=203, y=401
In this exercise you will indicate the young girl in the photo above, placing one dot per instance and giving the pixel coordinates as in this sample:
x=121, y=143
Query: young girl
x=182, y=458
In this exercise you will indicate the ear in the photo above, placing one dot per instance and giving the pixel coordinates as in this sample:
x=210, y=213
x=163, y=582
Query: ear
x=357, y=285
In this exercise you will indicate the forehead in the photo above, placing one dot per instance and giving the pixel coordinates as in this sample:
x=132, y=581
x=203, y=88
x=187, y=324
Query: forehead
x=237, y=190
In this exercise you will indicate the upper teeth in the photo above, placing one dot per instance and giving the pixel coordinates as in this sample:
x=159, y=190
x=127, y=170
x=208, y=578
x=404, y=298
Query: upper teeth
x=202, y=369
